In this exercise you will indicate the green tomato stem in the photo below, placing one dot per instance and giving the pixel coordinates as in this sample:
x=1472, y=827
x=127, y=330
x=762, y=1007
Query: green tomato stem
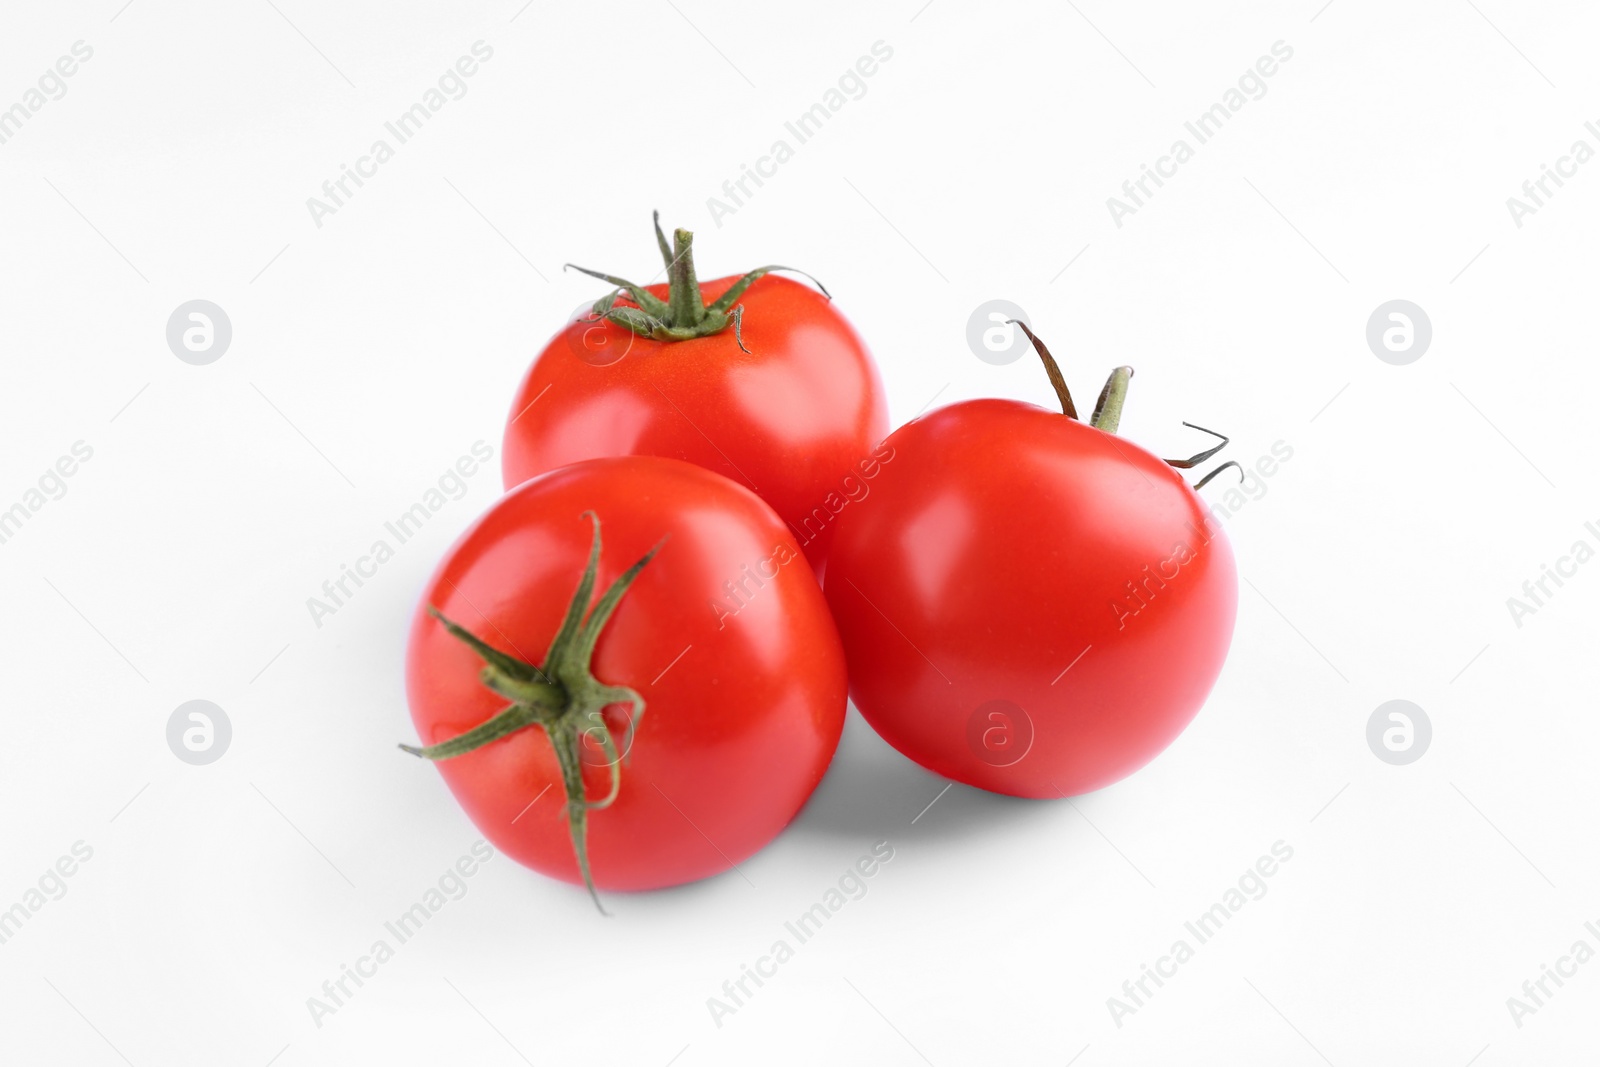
x=562, y=697
x=1108, y=409
x=684, y=315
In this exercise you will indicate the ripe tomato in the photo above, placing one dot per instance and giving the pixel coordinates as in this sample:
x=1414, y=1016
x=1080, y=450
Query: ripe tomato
x=723, y=636
x=1030, y=604
x=769, y=386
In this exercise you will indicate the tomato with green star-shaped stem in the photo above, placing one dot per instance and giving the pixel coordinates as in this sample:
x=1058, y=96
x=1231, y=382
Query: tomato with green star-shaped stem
x=658, y=733
x=756, y=377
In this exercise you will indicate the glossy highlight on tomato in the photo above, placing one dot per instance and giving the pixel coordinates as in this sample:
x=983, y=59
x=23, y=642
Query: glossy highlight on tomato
x=742, y=710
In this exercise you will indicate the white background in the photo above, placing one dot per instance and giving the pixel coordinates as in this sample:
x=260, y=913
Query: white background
x=369, y=353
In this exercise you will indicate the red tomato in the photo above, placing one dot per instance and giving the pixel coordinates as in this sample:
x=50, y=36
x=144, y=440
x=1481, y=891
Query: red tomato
x=724, y=636
x=777, y=392
x=1029, y=604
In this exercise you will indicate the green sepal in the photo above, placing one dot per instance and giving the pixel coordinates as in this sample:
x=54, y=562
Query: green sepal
x=562, y=697
x=684, y=315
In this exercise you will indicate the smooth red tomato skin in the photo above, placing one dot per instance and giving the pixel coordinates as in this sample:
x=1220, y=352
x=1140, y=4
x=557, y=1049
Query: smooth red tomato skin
x=736, y=733
x=788, y=420
x=1000, y=544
